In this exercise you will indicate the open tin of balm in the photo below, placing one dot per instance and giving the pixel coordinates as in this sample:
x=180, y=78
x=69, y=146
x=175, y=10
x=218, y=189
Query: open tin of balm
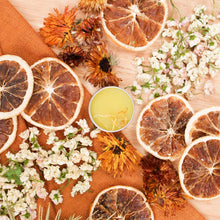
x=111, y=109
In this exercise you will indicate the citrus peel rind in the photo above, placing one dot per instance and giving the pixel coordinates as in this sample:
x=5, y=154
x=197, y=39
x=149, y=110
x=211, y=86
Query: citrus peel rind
x=199, y=168
x=57, y=97
x=120, y=202
x=205, y=122
x=134, y=25
x=16, y=85
x=8, y=130
x=161, y=126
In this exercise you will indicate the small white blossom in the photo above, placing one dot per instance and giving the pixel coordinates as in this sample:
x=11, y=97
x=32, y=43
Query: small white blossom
x=80, y=187
x=93, y=133
x=138, y=61
x=83, y=124
x=56, y=197
x=70, y=130
x=52, y=137
x=25, y=134
x=139, y=101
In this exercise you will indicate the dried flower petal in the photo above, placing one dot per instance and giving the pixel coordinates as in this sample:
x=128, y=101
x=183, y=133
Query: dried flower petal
x=100, y=63
x=88, y=31
x=117, y=154
x=92, y=6
x=161, y=184
x=73, y=56
x=58, y=28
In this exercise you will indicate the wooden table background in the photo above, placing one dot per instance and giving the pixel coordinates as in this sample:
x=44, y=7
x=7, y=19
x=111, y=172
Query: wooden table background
x=34, y=11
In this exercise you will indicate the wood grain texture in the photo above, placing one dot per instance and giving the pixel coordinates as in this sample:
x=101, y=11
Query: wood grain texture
x=35, y=11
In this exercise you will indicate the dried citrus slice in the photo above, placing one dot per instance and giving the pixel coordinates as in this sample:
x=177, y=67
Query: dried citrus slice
x=8, y=129
x=199, y=168
x=57, y=97
x=16, y=85
x=203, y=123
x=121, y=202
x=134, y=24
x=161, y=126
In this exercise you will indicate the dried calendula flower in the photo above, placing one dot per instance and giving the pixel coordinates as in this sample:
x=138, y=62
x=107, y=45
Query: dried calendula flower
x=92, y=6
x=58, y=28
x=161, y=184
x=100, y=64
x=72, y=55
x=88, y=31
x=118, y=154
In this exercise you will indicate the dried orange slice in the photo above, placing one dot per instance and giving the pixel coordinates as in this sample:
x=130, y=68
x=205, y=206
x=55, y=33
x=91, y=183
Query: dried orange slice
x=16, y=85
x=8, y=129
x=121, y=202
x=161, y=126
x=57, y=97
x=134, y=25
x=203, y=123
x=199, y=168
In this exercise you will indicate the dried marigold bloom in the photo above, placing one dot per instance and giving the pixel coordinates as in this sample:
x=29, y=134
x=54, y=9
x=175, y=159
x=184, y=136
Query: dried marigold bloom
x=92, y=6
x=100, y=64
x=72, y=55
x=88, y=31
x=118, y=154
x=58, y=28
x=161, y=184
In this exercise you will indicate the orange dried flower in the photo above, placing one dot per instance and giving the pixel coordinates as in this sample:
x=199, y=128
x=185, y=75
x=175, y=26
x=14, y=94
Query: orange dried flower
x=88, y=31
x=100, y=63
x=92, y=6
x=118, y=154
x=161, y=184
x=58, y=28
x=73, y=55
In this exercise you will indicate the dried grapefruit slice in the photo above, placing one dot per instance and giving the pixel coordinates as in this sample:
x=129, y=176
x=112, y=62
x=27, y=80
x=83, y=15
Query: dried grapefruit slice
x=121, y=202
x=57, y=97
x=203, y=123
x=16, y=85
x=161, y=126
x=199, y=168
x=134, y=24
x=8, y=129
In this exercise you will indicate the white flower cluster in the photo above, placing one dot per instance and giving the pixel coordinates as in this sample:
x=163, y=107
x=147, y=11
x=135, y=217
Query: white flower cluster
x=68, y=159
x=190, y=51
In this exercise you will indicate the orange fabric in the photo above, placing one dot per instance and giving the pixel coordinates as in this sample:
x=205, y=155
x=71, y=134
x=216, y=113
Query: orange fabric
x=18, y=38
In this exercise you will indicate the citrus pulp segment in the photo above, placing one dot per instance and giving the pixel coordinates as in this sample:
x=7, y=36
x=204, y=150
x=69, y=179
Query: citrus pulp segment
x=57, y=97
x=203, y=123
x=16, y=85
x=134, y=24
x=199, y=168
x=120, y=202
x=161, y=126
x=8, y=129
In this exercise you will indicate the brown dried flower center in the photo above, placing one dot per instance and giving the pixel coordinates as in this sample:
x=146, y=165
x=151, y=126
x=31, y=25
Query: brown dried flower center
x=105, y=65
x=117, y=150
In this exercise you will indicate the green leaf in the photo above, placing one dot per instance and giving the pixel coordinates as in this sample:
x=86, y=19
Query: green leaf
x=156, y=95
x=192, y=37
x=146, y=85
x=14, y=173
x=133, y=88
x=27, y=215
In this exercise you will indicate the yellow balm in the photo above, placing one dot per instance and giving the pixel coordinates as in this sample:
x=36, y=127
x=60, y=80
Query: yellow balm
x=111, y=108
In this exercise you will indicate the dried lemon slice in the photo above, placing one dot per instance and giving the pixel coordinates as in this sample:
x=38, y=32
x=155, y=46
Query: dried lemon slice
x=8, y=129
x=57, y=97
x=199, y=168
x=121, y=202
x=16, y=85
x=134, y=25
x=203, y=123
x=161, y=126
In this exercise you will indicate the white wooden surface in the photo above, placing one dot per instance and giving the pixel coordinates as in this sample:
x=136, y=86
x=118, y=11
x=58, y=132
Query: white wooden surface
x=34, y=11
